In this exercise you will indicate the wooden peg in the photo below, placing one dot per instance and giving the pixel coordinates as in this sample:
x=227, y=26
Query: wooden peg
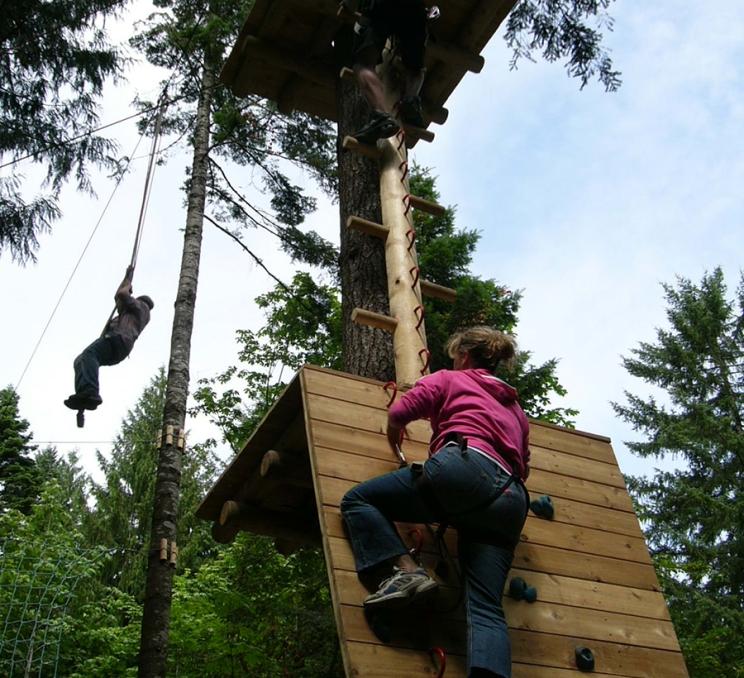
x=173, y=554
x=163, y=550
x=169, y=434
x=369, y=227
x=371, y=319
x=431, y=289
x=367, y=150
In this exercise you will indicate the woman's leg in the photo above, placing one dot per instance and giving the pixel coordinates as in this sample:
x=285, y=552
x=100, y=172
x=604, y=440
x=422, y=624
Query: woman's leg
x=485, y=569
x=369, y=510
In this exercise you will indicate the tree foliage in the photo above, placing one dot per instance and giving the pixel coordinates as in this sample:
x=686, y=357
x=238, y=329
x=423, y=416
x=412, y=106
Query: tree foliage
x=18, y=474
x=694, y=515
x=55, y=61
x=564, y=29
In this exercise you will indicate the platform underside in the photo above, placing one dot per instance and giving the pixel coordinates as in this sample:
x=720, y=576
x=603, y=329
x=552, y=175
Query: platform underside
x=285, y=52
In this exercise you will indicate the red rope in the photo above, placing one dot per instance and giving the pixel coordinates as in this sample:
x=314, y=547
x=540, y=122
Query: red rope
x=428, y=359
x=419, y=318
x=394, y=386
x=400, y=135
x=441, y=656
x=411, y=237
x=415, y=273
x=407, y=203
x=418, y=542
x=403, y=165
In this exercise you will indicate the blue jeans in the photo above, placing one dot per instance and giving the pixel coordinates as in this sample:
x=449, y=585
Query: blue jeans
x=461, y=481
x=107, y=350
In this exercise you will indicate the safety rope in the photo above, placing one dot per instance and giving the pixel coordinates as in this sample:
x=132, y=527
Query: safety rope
x=154, y=149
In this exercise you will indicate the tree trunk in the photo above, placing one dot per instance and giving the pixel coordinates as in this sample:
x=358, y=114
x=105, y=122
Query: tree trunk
x=156, y=615
x=367, y=352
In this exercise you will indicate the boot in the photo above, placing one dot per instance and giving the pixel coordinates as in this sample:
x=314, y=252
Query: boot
x=381, y=125
x=409, y=109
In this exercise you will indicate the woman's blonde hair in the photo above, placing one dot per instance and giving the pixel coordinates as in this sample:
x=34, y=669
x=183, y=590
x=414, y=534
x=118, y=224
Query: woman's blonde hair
x=488, y=348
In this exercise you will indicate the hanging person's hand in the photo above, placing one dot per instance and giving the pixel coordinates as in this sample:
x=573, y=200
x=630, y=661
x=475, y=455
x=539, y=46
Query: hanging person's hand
x=130, y=272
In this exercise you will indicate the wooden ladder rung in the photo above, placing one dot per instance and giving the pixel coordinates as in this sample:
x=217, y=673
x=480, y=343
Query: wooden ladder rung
x=431, y=289
x=418, y=133
x=427, y=206
x=371, y=152
x=369, y=227
x=372, y=319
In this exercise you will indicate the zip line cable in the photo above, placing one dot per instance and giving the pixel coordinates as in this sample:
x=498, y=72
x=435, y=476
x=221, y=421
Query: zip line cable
x=80, y=258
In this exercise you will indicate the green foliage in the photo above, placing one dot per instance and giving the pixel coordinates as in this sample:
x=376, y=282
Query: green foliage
x=190, y=36
x=45, y=577
x=303, y=326
x=18, y=475
x=694, y=515
x=251, y=611
x=55, y=62
x=564, y=29
x=123, y=504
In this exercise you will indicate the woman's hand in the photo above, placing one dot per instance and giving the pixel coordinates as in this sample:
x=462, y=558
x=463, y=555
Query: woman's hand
x=394, y=435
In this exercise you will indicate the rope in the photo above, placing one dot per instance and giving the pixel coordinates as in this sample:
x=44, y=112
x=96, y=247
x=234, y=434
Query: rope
x=149, y=177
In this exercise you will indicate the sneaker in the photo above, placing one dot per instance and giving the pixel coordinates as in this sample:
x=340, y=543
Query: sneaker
x=401, y=589
x=83, y=401
x=381, y=125
x=409, y=109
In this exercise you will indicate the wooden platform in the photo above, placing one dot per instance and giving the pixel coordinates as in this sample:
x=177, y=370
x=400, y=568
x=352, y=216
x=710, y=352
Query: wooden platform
x=285, y=52
x=596, y=584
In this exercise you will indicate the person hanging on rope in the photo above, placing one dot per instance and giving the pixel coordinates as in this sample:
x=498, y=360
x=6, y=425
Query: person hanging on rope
x=115, y=344
x=473, y=480
x=406, y=22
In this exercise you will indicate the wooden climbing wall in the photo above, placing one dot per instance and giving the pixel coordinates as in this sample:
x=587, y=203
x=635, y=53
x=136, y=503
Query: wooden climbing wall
x=596, y=585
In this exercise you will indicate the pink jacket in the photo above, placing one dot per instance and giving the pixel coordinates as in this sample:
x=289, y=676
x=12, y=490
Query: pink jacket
x=483, y=408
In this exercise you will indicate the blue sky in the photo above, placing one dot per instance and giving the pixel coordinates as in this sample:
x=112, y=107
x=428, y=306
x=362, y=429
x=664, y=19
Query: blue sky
x=586, y=200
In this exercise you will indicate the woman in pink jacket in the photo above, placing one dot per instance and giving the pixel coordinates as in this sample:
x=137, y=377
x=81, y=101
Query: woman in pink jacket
x=473, y=480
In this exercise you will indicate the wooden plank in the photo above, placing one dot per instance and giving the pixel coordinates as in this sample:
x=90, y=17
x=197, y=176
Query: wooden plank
x=361, y=466
x=548, y=559
x=551, y=588
x=368, y=392
x=565, y=440
x=536, y=530
x=592, y=625
x=540, y=482
x=527, y=648
x=567, y=464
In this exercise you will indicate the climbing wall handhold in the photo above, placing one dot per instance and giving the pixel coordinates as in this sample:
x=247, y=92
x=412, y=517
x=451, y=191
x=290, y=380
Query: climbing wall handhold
x=520, y=590
x=543, y=507
x=584, y=659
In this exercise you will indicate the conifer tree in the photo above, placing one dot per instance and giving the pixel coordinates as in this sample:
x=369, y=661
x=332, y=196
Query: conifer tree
x=693, y=516
x=18, y=475
x=55, y=61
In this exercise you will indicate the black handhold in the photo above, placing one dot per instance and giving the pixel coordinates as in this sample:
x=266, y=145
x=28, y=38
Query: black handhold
x=530, y=594
x=517, y=587
x=543, y=507
x=584, y=659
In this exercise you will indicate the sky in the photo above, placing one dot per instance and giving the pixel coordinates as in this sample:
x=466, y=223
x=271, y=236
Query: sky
x=585, y=200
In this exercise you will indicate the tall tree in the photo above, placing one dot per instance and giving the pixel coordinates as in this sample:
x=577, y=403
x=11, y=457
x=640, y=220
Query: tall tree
x=693, y=516
x=122, y=513
x=190, y=38
x=54, y=61
x=18, y=476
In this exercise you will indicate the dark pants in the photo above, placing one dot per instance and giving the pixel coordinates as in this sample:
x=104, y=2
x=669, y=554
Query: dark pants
x=460, y=480
x=108, y=350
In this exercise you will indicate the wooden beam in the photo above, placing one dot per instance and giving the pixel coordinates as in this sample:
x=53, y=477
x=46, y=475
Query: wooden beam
x=300, y=529
x=431, y=289
x=418, y=133
x=427, y=206
x=369, y=227
x=368, y=151
x=371, y=319
x=287, y=468
x=296, y=63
